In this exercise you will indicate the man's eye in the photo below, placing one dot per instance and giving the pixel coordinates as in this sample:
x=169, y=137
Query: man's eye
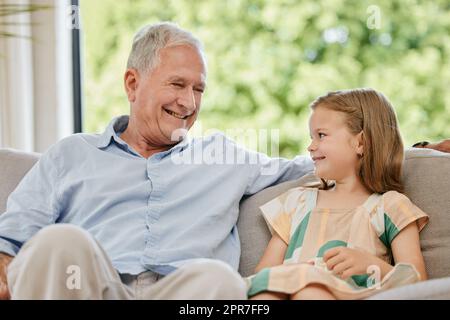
x=200, y=90
x=179, y=85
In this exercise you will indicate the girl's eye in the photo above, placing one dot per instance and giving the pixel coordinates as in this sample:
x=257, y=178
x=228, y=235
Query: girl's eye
x=321, y=135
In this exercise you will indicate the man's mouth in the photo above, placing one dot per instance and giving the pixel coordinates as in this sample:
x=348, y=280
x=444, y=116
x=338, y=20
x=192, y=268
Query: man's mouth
x=176, y=115
x=315, y=159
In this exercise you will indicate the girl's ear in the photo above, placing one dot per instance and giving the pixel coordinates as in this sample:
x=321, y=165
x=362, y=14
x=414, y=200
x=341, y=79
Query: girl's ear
x=360, y=144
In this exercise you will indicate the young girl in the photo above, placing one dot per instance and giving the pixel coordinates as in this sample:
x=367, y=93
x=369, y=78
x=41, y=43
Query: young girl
x=338, y=242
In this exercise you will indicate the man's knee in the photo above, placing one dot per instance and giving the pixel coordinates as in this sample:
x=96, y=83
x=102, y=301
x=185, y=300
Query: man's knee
x=56, y=263
x=219, y=278
x=60, y=238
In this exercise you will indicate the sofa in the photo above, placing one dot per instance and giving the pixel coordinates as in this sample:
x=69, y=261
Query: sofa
x=427, y=184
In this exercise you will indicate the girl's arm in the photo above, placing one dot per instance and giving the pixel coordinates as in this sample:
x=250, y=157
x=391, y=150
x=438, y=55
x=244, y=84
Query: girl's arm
x=406, y=248
x=274, y=253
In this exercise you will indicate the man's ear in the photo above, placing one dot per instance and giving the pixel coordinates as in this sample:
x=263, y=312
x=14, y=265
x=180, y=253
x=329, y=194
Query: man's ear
x=131, y=81
x=360, y=144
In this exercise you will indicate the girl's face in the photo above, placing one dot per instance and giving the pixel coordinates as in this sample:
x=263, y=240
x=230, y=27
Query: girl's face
x=333, y=147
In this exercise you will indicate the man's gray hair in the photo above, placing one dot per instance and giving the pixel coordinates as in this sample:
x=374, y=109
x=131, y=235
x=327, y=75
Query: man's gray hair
x=148, y=41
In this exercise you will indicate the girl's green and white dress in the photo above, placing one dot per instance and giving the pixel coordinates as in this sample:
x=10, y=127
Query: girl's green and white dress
x=310, y=232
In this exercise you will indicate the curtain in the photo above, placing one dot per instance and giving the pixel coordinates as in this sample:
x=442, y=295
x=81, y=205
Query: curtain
x=36, y=103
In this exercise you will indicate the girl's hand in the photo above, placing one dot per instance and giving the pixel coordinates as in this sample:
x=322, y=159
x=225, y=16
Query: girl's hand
x=347, y=262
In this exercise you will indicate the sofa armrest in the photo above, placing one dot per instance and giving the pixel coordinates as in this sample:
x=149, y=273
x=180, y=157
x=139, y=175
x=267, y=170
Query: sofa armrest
x=14, y=164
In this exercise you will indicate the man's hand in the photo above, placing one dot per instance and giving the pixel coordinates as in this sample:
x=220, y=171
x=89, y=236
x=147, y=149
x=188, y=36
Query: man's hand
x=347, y=262
x=5, y=260
x=443, y=146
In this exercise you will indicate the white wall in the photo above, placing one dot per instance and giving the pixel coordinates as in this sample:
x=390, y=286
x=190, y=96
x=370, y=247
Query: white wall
x=36, y=78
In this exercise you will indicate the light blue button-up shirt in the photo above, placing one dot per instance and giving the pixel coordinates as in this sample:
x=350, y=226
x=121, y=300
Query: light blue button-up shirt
x=154, y=213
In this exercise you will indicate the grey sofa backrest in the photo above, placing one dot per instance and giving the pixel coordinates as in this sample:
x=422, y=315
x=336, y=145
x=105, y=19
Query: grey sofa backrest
x=13, y=166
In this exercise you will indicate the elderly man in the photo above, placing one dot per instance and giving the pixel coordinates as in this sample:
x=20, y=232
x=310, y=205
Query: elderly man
x=129, y=214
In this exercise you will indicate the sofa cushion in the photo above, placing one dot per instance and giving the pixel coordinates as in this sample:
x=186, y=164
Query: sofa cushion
x=427, y=184
x=13, y=166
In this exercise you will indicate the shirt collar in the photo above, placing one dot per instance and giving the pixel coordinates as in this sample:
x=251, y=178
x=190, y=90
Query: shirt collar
x=118, y=125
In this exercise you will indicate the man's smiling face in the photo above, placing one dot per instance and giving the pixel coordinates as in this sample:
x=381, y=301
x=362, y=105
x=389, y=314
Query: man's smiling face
x=168, y=98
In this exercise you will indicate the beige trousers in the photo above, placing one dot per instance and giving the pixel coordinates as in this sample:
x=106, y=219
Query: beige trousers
x=63, y=261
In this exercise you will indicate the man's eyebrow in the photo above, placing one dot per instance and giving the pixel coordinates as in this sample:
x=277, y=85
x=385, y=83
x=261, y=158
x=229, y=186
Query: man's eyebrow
x=176, y=78
x=202, y=84
x=181, y=79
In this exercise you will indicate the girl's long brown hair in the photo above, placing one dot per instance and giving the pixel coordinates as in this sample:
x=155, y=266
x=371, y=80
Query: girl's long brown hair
x=370, y=111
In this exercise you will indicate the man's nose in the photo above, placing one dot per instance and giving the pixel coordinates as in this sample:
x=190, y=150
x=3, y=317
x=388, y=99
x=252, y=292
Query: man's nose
x=187, y=99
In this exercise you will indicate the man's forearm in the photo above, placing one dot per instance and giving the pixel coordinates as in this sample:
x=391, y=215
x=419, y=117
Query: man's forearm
x=443, y=146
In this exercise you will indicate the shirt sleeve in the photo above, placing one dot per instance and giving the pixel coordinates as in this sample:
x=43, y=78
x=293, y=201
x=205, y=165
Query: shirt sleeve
x=278, y=212
x=399, y=212
x=31, y=206
x=271, y=171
